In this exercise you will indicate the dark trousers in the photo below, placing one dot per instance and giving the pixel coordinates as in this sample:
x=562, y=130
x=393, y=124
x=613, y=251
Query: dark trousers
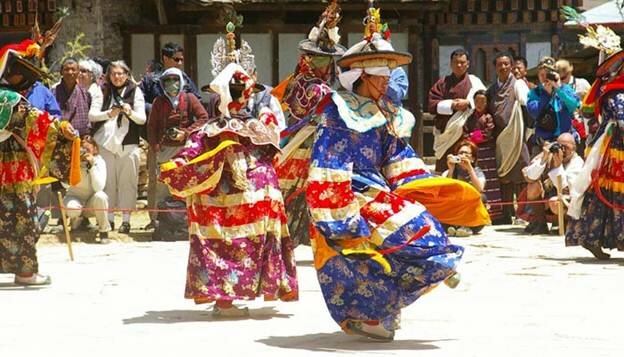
x=508, y=192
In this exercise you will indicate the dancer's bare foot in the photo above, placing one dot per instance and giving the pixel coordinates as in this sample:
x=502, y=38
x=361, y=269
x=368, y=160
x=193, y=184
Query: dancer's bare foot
x=597, y=252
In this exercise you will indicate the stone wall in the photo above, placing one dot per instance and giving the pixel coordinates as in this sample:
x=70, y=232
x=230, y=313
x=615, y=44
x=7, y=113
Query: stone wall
x=101, y=22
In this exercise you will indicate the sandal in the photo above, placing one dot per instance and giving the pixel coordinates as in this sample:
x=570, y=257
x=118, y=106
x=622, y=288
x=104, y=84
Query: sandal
x=230, y=311
x=33, y=280
x=375, y=332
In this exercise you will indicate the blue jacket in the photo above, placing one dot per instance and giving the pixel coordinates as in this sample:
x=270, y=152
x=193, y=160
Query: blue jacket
x=42, y=98
x=564, y=102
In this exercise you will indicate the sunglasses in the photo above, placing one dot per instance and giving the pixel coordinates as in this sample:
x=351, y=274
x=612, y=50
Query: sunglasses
x=178, y=59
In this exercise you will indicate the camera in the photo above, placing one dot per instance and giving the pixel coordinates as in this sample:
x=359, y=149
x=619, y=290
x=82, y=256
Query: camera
x=455, y=159
x=554, y=147
x=117, y=102
x=172, y=133
x=552, y=76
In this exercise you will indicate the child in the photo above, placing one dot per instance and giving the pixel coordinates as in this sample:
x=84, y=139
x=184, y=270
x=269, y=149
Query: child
x=479, y=129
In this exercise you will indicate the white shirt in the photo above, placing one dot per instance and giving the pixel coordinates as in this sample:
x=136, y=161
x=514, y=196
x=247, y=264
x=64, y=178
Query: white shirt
x=110, y=136
x=93, y=179
x=568, y=172
x=580, y=85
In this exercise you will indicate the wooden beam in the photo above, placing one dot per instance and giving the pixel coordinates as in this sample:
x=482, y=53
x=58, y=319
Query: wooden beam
x=318, y=7
x=162, y=12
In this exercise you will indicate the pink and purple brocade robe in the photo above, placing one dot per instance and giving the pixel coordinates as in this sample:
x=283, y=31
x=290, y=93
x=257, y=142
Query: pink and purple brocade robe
x=240, y=246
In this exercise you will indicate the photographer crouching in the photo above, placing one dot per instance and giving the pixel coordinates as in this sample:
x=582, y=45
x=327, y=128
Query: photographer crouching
x=551, y=105
x=89, y=193
x=556, y=159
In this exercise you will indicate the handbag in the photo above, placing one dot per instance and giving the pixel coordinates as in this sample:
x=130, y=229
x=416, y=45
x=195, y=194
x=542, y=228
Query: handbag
x=547, y=120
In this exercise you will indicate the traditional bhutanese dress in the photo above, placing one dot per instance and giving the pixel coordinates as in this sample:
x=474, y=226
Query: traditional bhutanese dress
x=361, y=202
x=240, y=247
x=31, y=147
x=301, y=98
x=598, y=192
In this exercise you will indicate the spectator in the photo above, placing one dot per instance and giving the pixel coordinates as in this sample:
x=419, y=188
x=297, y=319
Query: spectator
x=153, y=66
x=450, y=98
x=104, y=63
x=117, y=114
x=42, y=98
x=174, y=116
x=90, y=72
x=461, y=166
x=89, y=192
x=551, y=104
x=73, y=99
x=581, y=87
x=506, y=97
x=556, y=159
x=520, y=71
x=564, y=68
x=172, y=57
x=479, y=129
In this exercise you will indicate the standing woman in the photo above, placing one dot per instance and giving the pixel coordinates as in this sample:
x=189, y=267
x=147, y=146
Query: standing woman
x=117, y=114
x=89, y=74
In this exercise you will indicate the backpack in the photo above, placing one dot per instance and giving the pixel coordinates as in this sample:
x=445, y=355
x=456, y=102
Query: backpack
x=172, y=226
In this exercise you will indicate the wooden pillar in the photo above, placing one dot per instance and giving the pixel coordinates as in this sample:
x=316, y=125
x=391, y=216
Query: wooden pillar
x=416, y=87
x=157, y=55
x=126, y=47
x=190, y=52
x=275, y=42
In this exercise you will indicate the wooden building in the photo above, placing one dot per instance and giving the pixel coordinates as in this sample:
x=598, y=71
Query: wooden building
x=18, y=16
x=429, y=29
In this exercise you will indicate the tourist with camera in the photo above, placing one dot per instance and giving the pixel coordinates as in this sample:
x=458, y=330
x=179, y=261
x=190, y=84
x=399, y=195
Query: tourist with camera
x=117, y=113
x=551, y=105
x=558, y=158
x=462, y=166
x=89, y=193
x=174, y=116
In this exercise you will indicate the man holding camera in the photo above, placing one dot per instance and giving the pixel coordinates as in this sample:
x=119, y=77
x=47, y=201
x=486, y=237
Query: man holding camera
x=558, y=158
x=551, y=104
x=174, y=116
x=89, y=193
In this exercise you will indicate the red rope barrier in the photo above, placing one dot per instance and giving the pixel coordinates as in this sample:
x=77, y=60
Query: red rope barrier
x=184, y=210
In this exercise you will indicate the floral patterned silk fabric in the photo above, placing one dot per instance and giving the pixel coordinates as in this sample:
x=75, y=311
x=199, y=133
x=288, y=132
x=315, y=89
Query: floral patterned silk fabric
x=50, y=153
x=599, y=225
x=240, y=247
x=357, y=163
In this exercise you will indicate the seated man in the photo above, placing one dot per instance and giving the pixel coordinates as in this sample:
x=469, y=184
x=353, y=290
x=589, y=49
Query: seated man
x=89, y=192
x=556, y=159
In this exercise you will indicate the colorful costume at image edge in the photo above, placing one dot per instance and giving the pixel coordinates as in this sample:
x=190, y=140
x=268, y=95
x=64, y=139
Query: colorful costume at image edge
x=377, y=249
x=32, y=151
x=240, y=247
x=300, y=94
x=597, y=195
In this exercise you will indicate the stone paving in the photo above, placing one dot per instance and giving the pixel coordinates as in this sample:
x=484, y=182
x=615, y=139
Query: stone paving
x=520, y=296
